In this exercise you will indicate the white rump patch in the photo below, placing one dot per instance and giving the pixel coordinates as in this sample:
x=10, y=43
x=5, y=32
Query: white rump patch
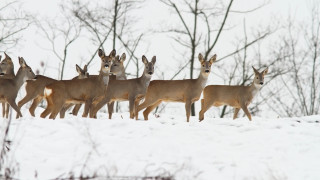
x=47, y=92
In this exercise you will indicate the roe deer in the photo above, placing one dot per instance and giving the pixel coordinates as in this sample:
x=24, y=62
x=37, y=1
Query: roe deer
x=78, y=90
x=9, y=87
x=118, y=72
x=35, y=88
x=6, y=72
x=187, y=90
x=123, y=90
x=83, y=73
x=235, y=96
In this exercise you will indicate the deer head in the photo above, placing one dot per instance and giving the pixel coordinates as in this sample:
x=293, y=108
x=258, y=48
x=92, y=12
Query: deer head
x=206, y=65
x=148, y=66
x=259, y=77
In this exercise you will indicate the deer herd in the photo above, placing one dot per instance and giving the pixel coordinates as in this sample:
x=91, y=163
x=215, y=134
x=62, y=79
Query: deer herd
x=111, y=84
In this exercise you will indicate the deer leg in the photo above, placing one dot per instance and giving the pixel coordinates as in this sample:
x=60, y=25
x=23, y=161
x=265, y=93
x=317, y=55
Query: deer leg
x=245, y=109
x=46, y=112
x=15, y=107
x=64, y=109
x=3, y=109
x=34, y=105
x=87, y=106
x=131, y=107
x=147, y=102
x=7, y=110
x=188, y=109
x=236, y=111
x=56, y=109
x=98, y=106
x=110, y=109
x=205, y=105
x=76, y=109
x=150, y=108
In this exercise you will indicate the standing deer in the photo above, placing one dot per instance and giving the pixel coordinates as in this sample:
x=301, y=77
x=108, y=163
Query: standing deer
x=6, y=72
x=118, y=72
x=83, y=73
x=187, y=90
x=123, y=90
x=9, y=87
x=235, y=96
x=78, y=90
x=34, y=88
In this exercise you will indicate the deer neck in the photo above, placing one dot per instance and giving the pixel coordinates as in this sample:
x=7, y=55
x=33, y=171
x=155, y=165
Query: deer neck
x=10, y=72
x=145, y=79
x=121, y=75
x=202, y=80
x=104, y=78
x=19, y=79
x=254, y=88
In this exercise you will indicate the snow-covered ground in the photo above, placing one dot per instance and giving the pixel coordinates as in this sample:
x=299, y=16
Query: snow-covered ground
x=264, y=149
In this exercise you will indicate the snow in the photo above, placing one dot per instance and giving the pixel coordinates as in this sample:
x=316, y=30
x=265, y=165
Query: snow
x=216, y=148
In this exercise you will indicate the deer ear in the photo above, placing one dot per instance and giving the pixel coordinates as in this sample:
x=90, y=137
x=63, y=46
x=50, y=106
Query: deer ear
x=113, y=53
x=213, y=59
x=200, y=58
x=6, y=55
x=144, y=59
x=101, y=53
x=255, y=71
x=117, y=58
x=265, y=71
x=85, y=68
x=78, y=69
x=154, y=59
x=22, y=62
x=123, y=57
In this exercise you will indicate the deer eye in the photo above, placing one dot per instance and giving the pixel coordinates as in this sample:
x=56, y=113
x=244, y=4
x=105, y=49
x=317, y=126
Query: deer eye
x=257, y=78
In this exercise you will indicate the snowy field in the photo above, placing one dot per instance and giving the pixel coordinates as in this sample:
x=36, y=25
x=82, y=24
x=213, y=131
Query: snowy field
x=264, y=149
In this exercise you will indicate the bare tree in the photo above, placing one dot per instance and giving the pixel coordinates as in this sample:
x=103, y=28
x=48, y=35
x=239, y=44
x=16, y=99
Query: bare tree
x=13, y=21
x=299, y=48
x=118, y=23
x=205, y=16
x=60, y=35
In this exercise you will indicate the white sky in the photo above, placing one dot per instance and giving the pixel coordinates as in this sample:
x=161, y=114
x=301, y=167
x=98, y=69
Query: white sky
x=152, y=15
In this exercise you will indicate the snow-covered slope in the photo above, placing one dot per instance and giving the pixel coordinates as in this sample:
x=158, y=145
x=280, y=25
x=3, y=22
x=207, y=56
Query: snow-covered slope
x=284, y=148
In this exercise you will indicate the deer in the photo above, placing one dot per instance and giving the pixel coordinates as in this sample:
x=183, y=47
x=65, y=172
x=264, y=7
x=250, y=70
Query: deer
x=238, y=97
x=78, y=90
x=9, y=87
x=6, y=72
x=35, y=88
x=131, y=90
x=117, y=72
x=186, y=91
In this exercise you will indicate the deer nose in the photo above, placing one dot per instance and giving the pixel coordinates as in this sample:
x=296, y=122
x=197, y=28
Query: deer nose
x=106, y=65
x=150, y=73
x=261, y=83
x=206, y=71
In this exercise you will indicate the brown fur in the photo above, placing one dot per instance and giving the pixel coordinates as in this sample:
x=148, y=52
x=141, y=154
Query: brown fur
x=235, y=96
x=78, y=90
x=7, y=68
x=9, y=87
x=187, y=91
x=35, y=88
x=124, y=90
